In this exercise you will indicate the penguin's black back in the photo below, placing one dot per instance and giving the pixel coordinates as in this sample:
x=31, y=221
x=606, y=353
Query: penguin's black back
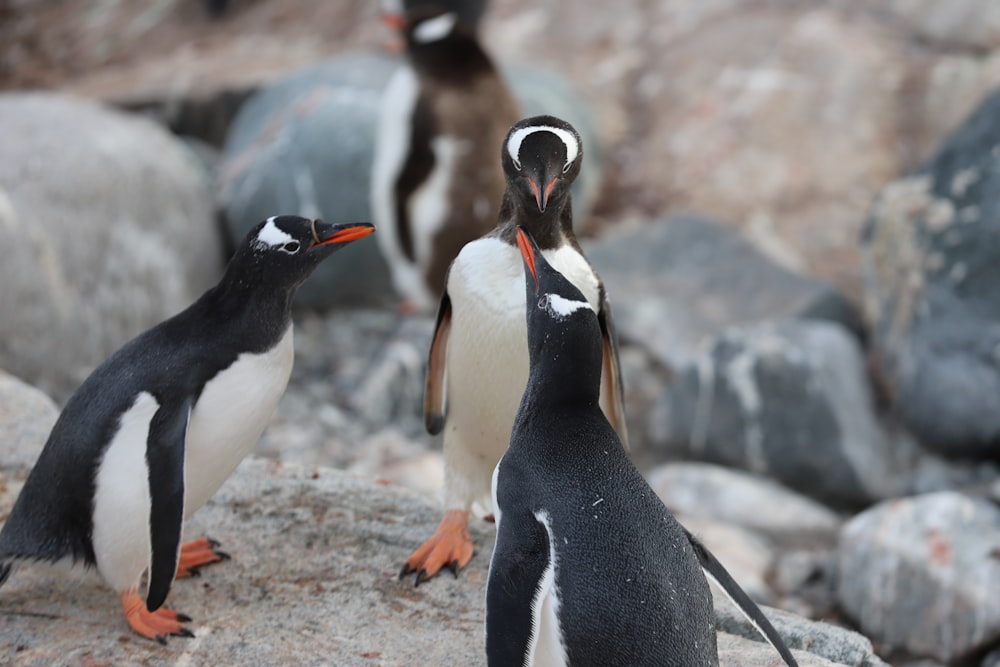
x=52, y=518
x=630, y=587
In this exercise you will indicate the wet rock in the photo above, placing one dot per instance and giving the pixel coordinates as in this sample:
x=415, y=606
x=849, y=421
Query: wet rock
x=113, y=224
x=714, y=492
x=915, y=573
x=932, y=266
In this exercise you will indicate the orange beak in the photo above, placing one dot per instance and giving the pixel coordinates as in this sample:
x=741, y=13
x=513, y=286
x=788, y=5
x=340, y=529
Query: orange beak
x=542, y=198
x=348, y=233
x=394, y=21
x=527, y=252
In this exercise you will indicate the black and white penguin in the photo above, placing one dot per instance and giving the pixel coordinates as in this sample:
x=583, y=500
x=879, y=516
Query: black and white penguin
x=154, y=431
x=589, y=567
x=478, y=360
x=435, y=184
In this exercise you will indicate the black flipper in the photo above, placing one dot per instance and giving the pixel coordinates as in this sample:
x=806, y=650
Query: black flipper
x=612, y=385
x=165, y=458
x=516, y=568
x=436, y=387
x=714, y=569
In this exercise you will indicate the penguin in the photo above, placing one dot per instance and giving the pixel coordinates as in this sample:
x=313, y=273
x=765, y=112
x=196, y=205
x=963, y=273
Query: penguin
x=434, y=184
x=478, y=359
x=589, y=567
x=154, y=431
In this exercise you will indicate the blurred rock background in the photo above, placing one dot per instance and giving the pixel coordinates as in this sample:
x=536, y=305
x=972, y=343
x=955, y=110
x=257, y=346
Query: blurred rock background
x=794, y=204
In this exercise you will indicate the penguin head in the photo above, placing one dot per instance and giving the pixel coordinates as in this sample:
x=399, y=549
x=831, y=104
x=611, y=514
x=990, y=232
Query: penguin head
x=561, y=322
x=541, y=158
x=429, y=21
x=283, y=250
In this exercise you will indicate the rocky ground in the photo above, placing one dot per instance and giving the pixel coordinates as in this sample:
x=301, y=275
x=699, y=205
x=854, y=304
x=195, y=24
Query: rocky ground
x=794, y=206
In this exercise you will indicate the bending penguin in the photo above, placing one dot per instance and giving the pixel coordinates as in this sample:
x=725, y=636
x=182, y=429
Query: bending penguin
x=435, y=184
x=589, y=567
x=478, y=359
x=154, y=431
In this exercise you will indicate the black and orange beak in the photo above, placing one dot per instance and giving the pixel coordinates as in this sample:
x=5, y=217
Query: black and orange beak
x=528, y=247
x=325, y=234
x=394, y=21
x=541, y=195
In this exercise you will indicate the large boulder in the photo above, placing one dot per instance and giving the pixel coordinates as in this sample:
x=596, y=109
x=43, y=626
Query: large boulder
x=932, y=287
x=916, y=573
x=109, y=228
x=26, y=417
x=788, y=400
x=677, y=281
x=305, y=145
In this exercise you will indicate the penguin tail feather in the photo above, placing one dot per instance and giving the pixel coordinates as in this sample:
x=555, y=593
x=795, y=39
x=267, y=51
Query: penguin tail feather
x=717, y=573
x=5, y=568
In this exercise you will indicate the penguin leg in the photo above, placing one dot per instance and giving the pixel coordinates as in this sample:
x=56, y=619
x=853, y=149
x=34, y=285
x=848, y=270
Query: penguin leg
x=156, y=625
x=450, y=546
x=197, y=554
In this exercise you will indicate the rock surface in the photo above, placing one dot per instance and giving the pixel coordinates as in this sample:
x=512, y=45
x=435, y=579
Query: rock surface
x=915, y=573
x=113, y=227
x=708, y=491
x=932, y=258
x=732, y=407
x=678, y=281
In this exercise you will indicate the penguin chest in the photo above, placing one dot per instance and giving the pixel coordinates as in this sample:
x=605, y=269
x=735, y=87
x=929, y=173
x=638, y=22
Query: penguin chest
x=233, y=410
x=488, y=345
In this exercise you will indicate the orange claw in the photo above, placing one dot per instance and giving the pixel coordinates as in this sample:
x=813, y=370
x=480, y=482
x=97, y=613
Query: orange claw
x=198, y=553
x=450, y=546
x=157, y=624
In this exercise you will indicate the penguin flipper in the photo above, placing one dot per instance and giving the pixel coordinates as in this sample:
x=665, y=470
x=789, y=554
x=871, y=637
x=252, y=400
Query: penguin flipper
x=436, y=388
x=715, y=571
x=165, y=458
x=520, y=561
x=612, y=387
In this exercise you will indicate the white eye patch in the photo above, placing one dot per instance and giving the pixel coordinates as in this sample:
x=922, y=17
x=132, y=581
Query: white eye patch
x=518, y=137
x=270, y=236
x=560, y=307
x=434, y=29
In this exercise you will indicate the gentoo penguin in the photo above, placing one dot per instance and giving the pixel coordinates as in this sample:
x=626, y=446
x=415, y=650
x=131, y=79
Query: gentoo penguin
x=154, y=431
x=435, y=186
x=478, y=359
x=589, y=567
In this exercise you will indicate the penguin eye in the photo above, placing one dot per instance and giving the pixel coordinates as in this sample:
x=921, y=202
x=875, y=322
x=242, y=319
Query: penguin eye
x=517, y=165
x=291, y=247
x=567, y=166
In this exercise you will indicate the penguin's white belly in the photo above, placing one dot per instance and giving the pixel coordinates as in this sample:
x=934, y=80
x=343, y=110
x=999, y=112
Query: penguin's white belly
x=488, y=358
x=233, y=410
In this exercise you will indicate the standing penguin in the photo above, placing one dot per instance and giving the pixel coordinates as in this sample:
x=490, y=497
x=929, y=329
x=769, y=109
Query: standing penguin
x=154, y=431
x=435, y=186
x=478, y=360
x=589, y=567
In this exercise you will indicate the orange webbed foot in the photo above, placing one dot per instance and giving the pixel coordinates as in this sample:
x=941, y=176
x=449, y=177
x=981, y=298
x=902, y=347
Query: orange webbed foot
x=197, y=554
x=156, y=625
x=450, y=546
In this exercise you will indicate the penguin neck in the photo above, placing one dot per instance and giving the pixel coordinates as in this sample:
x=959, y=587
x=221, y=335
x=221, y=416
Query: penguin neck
x=456, y=58
x=551, y=228
x=565, y=369
x=262, y=312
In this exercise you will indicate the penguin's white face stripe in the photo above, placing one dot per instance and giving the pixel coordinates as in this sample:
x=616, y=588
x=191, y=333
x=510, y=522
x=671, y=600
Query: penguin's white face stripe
x=546, y=646
x=518, y=136
x=560, y=307
x=436, y=28
x=122, y=499
x=270, y=236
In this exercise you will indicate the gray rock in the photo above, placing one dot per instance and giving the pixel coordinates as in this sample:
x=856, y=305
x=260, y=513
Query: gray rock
x=932, y=266
x=113, y=226
x=732, y=407
x=26, y=417
x=305, y=145
x=675, y=282
x=313, y=581
x=804, y=581
x=737, y=651
x=915, y=574
x=708, y=491
x=973, y=25
x=746, y=555
x=840, y=646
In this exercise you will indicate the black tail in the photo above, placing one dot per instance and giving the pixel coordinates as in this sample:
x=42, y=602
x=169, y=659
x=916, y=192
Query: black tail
x=714, y=569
